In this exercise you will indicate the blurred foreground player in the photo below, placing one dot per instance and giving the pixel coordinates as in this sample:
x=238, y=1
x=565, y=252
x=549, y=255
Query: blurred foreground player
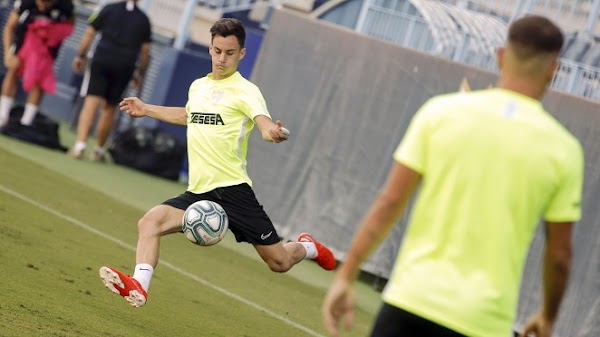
x=490, y=164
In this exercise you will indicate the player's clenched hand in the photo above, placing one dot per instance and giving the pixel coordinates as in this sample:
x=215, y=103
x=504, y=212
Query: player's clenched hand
x=278, y=133
x=537, y=326
x=133, y=106
x=338, y=305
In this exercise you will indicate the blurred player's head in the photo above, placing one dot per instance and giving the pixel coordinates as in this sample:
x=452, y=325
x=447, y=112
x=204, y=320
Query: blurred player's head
x=44, y=5
x=226, y=47
x=531, y=51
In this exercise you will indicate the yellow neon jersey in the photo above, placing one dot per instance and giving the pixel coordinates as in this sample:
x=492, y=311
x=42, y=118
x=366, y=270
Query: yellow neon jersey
x=220, y=118
x=493, y=163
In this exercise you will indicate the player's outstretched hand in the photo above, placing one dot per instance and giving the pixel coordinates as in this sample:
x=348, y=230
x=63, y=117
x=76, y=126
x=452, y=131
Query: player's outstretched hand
x=278, y=133
x=133, y=106
x=537, y=326
x=338, y=305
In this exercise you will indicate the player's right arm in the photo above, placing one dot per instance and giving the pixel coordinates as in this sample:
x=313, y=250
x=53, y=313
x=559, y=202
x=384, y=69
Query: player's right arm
x=564, y=209
x=86, y=40
x=135, y=107
x=557, y=264
x=7, y=38
x=381, y=218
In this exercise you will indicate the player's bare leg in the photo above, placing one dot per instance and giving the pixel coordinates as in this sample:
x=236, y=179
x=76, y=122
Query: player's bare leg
x=105, y=124
x=282, y=257
x=85, y=123
x=158, y=221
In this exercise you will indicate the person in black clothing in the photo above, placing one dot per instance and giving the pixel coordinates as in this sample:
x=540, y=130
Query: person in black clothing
x=25, y=13
x=122, y=52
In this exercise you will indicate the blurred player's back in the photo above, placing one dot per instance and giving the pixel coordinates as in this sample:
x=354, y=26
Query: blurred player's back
x=490, y=162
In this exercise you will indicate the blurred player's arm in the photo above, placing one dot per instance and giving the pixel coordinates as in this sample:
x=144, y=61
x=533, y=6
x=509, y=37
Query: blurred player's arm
x=271, y=132
x=143, y=61
x=84, y=44
x=557, y=265
x=135, y=107
x=7, y=36
x=381, y=218
x=566, y=206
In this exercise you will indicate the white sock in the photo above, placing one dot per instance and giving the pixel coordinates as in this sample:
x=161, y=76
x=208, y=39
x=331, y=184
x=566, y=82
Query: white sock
x=79, y=146
x=29, y=114
x=311, y=250
x=143, y=274
x=6, y=103
x=100, y=150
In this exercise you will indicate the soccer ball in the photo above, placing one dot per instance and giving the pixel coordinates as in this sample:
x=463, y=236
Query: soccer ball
x=205, y=223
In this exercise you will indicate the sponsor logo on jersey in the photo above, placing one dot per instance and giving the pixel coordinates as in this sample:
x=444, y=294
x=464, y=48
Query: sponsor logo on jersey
x=206, y=118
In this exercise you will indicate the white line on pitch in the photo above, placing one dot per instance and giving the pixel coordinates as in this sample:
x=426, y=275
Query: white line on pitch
x=163, y=262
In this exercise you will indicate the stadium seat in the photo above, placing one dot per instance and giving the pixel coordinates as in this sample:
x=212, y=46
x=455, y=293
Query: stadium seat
x=569, y=38
x=577, y=49
x=592, y=55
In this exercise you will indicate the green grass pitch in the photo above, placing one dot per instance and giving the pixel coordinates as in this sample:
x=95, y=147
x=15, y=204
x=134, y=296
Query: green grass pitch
x=61, y=219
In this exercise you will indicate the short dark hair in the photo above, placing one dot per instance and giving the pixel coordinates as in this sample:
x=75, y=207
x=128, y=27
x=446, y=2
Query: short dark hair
x=535, y=34
x=229, y=26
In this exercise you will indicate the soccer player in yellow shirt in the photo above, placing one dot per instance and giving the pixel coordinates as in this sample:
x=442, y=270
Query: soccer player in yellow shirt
x=489, y=165
x=221, y=111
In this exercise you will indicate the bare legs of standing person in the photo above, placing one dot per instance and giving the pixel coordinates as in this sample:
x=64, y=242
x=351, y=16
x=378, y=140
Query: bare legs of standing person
x=9, y=92
x=86, y=121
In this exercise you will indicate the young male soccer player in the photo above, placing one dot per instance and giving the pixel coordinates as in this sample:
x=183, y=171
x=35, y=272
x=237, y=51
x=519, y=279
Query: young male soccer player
x=222, y=109
x=490, y=163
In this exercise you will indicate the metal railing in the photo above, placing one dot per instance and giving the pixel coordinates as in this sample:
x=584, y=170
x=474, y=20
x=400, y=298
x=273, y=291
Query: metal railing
x=578, y=79
x=572, y=14
x=451, y=29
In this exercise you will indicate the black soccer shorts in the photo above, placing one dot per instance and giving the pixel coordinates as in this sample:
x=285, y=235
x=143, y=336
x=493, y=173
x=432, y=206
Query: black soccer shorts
x=107, y=79
x=247, y=218
x=395, y=322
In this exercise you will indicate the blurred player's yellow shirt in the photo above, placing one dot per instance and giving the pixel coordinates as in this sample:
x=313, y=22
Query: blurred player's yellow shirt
x=220, y=117
x=493, y=163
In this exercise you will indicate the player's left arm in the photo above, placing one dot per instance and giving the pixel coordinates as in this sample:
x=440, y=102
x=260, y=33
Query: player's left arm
x=557, y=265
x=84, y=44
x=564, y=209
x=142, y=66
x=271, y=132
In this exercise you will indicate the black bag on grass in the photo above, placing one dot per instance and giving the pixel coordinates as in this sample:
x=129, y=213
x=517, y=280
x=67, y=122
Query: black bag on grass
x=43, y=131
x=150, y=151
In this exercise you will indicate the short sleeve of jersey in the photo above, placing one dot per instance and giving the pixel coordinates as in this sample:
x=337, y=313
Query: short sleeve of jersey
x=565, y=204
x=412, y=149
x=253, y=104
x=97, y=19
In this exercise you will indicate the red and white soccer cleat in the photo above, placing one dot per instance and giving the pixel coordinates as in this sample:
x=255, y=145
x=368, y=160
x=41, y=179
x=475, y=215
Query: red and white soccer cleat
x=325, y=257
x=124, y=285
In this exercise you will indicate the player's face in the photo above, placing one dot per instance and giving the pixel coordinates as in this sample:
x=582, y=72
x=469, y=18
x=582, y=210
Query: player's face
x=226, y=54
x=44, y=5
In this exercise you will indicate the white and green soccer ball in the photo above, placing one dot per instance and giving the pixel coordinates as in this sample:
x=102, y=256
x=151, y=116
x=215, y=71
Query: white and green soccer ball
x=205, y=223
